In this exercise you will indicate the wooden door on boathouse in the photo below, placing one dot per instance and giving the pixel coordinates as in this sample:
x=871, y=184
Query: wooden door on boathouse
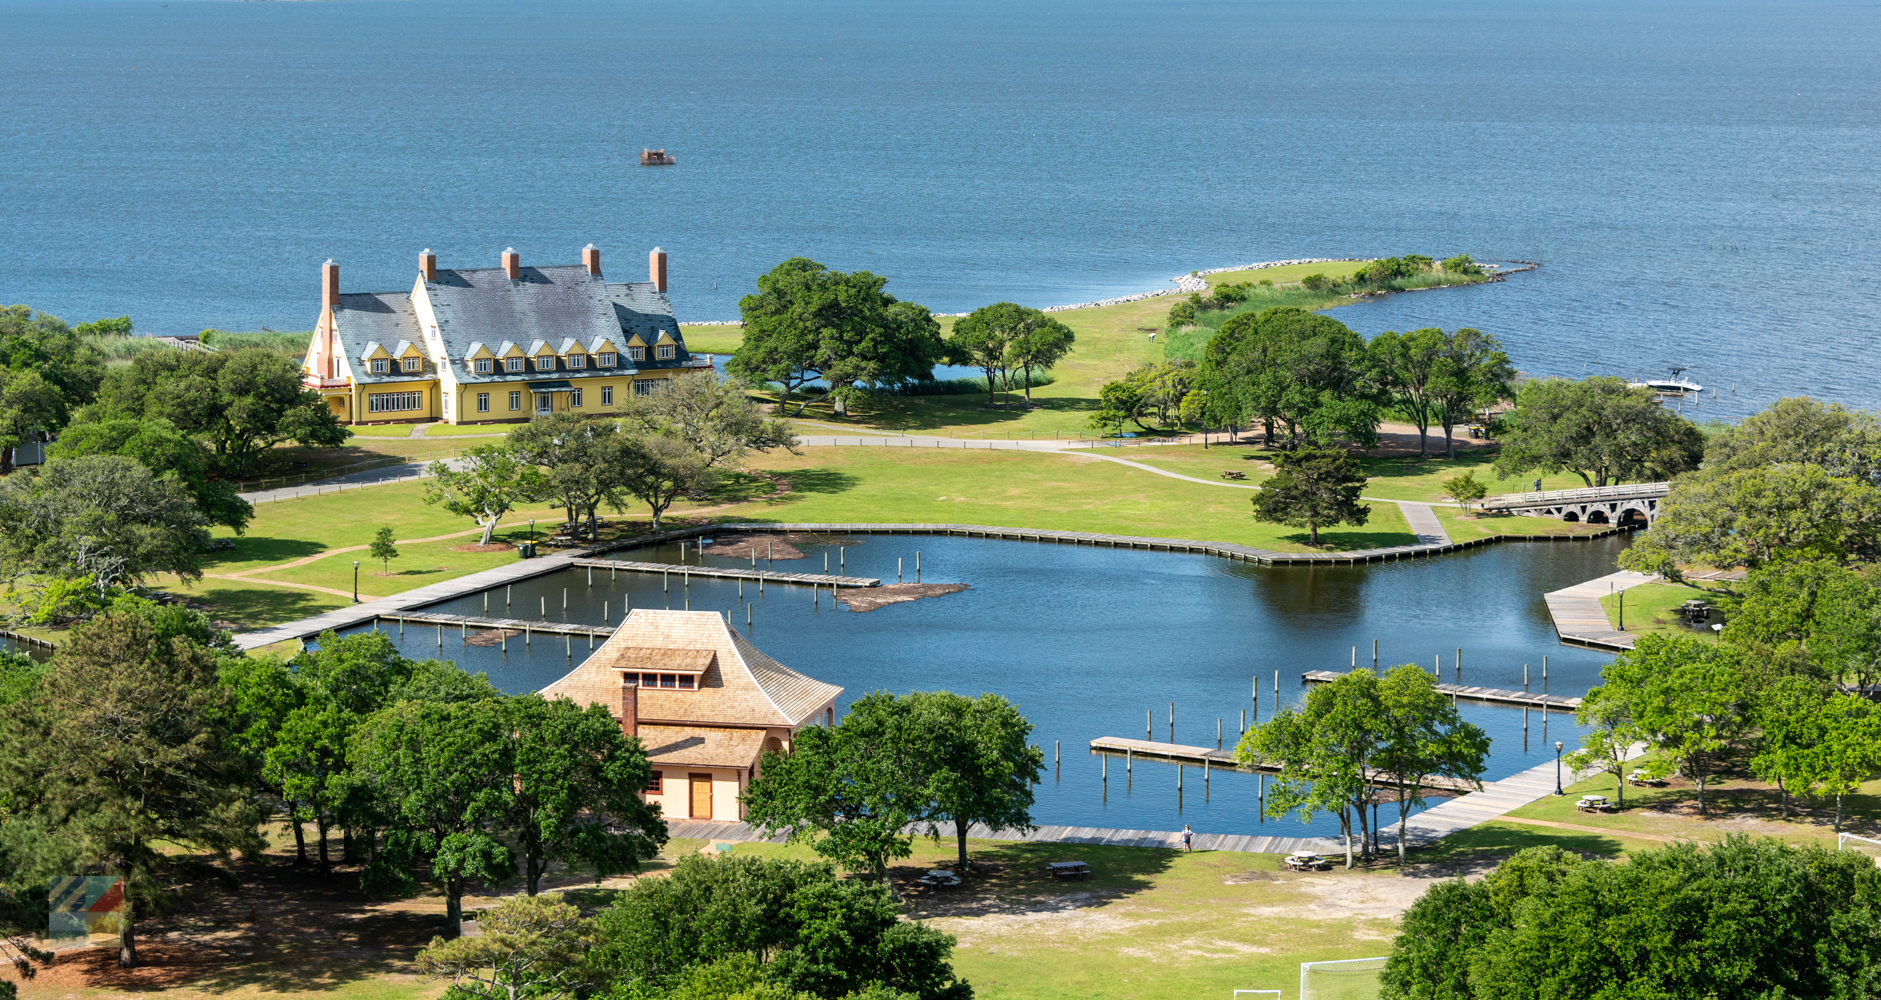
x=701, y=796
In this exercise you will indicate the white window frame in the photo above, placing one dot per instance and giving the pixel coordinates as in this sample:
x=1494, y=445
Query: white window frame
x=515, y=400
x=483, y=402
x=381, y=366
x=665, y=352
x=481, y=366
x=411, y=364
x=645, y=386
x=606, y=359
x=545, y=402
x=513, y=364
x=545, y=363
x=577, y=361
x=394, y=402
x=607, y=395
x=636, y=354
x=574, y=398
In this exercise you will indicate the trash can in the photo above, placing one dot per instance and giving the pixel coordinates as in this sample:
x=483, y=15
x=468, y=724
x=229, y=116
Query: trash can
x=525, y=550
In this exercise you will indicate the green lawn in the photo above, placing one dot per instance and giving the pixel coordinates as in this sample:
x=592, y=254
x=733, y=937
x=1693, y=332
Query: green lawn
x=1148, y=924
x=382, y=430
x=1735, y=804
x=473, y=430
x=1653, y=607
x=1026, y=489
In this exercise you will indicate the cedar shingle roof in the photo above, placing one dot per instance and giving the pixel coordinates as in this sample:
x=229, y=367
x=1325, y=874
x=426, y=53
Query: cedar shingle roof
x=740, y=685
x=701, y=746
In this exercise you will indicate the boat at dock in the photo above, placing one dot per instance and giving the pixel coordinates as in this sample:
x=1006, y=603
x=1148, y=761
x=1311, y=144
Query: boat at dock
x=1674, y=386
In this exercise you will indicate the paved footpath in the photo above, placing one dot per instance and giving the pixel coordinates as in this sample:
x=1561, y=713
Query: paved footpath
x=1460, y=813
x=1579, y=619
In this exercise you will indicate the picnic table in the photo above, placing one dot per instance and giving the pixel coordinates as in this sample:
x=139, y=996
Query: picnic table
x=939, y=878
x=1640, y=777
x=1592, y=803
x=1067, y=869
x=1304, y=861
x=1234, y=474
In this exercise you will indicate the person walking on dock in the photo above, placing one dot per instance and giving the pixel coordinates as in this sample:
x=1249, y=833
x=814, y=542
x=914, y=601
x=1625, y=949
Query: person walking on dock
x=1187, y=836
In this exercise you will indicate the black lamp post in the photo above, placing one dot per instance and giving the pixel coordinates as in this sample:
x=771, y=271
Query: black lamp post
x=355, y=581
x=1557, y=767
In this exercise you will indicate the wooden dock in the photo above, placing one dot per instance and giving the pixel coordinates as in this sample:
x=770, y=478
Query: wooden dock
x=518, y=625
x=732, y=573
x=1464, y=692
x=1581, y=620
x=1223, y=760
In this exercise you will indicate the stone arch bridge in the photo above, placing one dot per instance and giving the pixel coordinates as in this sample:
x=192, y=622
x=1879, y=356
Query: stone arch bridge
x=1621, y=505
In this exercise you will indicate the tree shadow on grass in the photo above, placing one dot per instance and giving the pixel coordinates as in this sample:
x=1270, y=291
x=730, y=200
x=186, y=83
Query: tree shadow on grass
x=1011, y=878
x=1482, y=847
x=260, y=606
x=264, y=550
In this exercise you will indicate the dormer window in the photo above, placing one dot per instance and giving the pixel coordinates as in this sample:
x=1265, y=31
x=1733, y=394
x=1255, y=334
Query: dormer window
x=512, y=364
x=605, y=359
x=679, y=682
x=482, y=366
x=665, y=352
x=636, y=354
x=411, y=364
x=577, y=361
x=381, y=365
x=545, y=363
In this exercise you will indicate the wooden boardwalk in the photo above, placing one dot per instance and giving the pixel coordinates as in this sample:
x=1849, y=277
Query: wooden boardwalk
x=1496, y=799
x=1492, y=696
x=732, y=573
x=1265, y=557
x=1579, y=619
x=465, y=622
x=1221, y=760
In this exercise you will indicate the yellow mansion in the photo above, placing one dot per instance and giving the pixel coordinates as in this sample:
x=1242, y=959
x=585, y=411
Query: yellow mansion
x=490, y=345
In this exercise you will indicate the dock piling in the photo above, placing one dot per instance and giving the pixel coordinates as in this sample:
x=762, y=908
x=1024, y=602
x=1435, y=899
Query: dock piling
x=897, y=569
x=401, y=630
x=502, y=639
x=525, y=633
x=564, y=598
x=1172, y=722
x=1218, y=732
x=545, y=609
x=1244, y=721
x=917, y=565
x=1055, y=757
x=1524, y=678
x=568, y=646
x=506, y=589
x=1544, y=675
x=747, y=618
x=440, y=635
x=1374, y=655
x=1459, y=665
x=1126, y=760
x=1149, y=724
x=486, y=604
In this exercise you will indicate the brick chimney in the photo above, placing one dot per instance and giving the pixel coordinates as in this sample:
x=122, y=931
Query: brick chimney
x=428, y=265
x=656, y=269
x=591, y=259
x=512, y=264
x=630, y=704
x=329, y=285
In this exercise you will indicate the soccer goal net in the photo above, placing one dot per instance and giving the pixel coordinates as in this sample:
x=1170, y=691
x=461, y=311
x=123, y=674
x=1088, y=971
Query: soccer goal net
x=1352, y=979
x=1862, y=845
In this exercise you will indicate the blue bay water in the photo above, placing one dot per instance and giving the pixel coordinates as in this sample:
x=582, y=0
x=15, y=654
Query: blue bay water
x=1086, y=641
x=1697, y=178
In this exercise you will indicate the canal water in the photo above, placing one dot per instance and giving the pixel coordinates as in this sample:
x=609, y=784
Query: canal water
x=1086, y=641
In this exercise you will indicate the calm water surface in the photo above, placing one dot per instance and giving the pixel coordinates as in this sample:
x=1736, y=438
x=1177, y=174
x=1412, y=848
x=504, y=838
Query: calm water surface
x=1697, y=176
x=1086, y=640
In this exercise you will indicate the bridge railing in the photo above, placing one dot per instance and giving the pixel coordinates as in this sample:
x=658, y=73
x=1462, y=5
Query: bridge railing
x=1634, y=491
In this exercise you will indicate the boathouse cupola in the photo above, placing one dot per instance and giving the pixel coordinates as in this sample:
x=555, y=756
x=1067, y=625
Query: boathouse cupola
x=591, y=259
x=512, y=264
x=428, y=264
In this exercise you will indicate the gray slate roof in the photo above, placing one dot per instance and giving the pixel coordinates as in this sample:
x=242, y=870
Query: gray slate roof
x=367, y=318
x=553, y=305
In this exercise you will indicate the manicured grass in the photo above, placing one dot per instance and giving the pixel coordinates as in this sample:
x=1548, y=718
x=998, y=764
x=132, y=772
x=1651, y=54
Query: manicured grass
x=1735, y=804
x=1148, y=924
x=1025, y=489
x=1461, y=526
x=1654, y=607
x=473, y=430
x=381, y=430
x=712, y=339
x=1287, y=273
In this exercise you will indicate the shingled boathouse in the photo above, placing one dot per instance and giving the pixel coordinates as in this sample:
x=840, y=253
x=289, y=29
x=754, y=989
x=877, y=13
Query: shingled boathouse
x=704, y=702
x=494, y=344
